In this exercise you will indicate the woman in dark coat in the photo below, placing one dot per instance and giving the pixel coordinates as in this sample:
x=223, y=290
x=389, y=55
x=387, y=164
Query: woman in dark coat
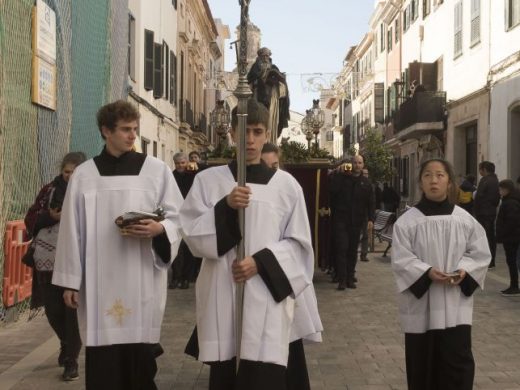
x=45, y=213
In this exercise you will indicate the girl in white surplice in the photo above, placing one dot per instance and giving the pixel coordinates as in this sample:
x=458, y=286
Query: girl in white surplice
x=440, y=256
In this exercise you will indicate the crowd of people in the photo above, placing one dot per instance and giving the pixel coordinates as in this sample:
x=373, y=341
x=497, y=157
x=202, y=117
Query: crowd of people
x=107, y=280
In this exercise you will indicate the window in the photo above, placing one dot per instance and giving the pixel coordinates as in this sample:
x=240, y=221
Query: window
x=329, y=136
x=173, y=77
x=397, y=30
x=414, y=11
x=390, y=37
x=458, y=30
x=144, y=145
x=426, y=8
x=512, y=13
x=174, y=3
x=148, y=59
x=383, y=37
x=379, y=103
x=475, y=22
x=158, y=69
x=166, y=70
x=406, y=18
x=131, y=46
x=155, y=148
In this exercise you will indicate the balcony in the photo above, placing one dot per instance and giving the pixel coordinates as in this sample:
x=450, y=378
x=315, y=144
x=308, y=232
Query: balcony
x=422, y=114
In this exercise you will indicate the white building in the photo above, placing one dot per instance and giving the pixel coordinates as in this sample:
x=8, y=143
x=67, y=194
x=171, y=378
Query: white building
x=151, y=75
x=504, y=81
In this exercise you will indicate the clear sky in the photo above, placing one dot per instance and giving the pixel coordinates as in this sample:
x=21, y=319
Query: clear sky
x=306, y=37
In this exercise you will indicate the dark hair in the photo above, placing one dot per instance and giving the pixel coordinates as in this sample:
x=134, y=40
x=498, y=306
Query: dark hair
x=270, y=148
x=508, y=185
x=193, y=152
x=471, y=179
x=74, y=158
x=111, y=113
x=488, y=166
x=452, y=192
x=257, y=113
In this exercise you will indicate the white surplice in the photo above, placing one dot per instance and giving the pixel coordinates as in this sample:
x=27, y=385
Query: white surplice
x=276, y=218
x=448, y=243
x=120, y=279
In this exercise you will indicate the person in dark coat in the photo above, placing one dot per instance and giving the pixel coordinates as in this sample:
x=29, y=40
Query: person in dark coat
x=390, y=198
x=351, y=201
x=44, y=213
x=486, y=203
x=508, y=231
x=184, y=266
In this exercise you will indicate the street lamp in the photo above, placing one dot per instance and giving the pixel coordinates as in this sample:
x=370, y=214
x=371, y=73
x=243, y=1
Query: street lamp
x=306, y=128
x=316, y=119
x=220, y=120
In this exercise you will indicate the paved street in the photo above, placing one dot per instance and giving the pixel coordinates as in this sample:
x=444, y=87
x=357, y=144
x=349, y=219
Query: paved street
x=362, y=348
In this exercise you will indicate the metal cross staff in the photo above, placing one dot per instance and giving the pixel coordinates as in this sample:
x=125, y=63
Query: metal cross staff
x=243, y=92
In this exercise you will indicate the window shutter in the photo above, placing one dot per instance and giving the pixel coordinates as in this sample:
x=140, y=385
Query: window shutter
x=173, y=78
x=166, y=70
x=379, y=102
x=458, y=30
x=475, y=22
x=148, y=59
x=158, y=67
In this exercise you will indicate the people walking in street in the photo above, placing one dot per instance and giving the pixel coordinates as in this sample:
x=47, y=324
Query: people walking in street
x=184, y=267
x=44, y=216
x=391, y=198
x=116, y=277
x=278, y=268
x=466, y=190
x=351, y=202
x=508, y=231
x=486, y=203
x=436, y=275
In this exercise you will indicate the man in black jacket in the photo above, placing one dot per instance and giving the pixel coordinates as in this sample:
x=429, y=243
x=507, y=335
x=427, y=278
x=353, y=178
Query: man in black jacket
x=184, y=267
x=486, y=203
x=352, y=202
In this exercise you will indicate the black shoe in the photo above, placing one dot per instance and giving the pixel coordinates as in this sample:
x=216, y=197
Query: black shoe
x=363, y=258
x=342, y=286
x=491, y=266
x=351, y=284
x=61, y=357
x=511, y=292
x=71, y=371
x=184, y=285
x=354, y=279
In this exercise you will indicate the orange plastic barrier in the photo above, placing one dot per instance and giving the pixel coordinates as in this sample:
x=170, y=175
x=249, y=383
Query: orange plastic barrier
x=17, y=279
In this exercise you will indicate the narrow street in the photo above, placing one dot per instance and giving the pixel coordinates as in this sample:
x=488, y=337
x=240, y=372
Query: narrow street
x=362, y=348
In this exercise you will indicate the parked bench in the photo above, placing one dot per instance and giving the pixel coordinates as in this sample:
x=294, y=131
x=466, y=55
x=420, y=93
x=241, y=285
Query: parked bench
x=383, y=228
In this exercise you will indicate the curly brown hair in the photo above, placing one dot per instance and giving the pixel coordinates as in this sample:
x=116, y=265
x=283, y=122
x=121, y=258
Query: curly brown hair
x=111, y=113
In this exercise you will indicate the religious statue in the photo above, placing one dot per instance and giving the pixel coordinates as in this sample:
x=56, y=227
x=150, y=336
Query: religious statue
x=269, y=87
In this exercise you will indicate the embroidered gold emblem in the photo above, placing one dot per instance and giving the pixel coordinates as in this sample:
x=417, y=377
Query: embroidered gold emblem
x=118, y=311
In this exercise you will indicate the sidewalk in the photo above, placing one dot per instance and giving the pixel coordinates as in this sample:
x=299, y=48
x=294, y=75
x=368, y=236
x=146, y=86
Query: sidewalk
x=363, y=347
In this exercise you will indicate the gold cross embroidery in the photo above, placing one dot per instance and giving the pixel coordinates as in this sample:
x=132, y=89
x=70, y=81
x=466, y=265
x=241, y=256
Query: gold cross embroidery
x=118, y=311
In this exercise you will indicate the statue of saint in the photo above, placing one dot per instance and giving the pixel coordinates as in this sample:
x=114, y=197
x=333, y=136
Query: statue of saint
x=270, y=88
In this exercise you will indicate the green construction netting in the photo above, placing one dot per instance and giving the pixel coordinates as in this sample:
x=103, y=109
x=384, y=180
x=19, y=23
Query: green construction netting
x=91, y=70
